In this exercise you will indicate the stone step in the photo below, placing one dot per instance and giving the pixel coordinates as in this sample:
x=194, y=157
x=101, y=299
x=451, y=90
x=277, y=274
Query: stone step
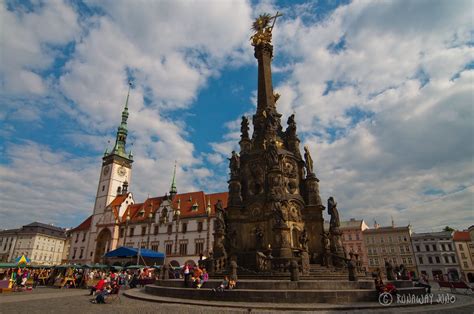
x=279, y=291
x=275, y=296
x=272, y=284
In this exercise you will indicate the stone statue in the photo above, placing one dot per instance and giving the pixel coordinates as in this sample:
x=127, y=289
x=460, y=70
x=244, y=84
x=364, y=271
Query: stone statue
x=220, y=220
x=389, y=270
x=272, y=155
x=304, y=240
x=277, y=210
x=308, y=161
x=291, y=129
x=351, y=267
x=259, y=238
x=334, y=223
x=326, y=249
x=244, y=128
x=276, y=96
x=234, y=164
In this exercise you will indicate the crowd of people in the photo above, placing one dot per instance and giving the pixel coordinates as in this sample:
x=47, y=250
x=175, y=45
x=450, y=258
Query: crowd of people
x=399, y=273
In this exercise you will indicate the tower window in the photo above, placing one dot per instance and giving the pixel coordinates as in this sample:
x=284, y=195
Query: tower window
x=103, y=188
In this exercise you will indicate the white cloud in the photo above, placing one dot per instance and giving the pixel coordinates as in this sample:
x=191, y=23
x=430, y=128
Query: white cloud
x=26, y=41
x=46, y=185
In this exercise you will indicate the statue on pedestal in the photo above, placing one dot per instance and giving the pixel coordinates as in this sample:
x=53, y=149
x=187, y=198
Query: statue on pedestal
x=220, y=219
x=308, y=162
x=277, y=210
x=304, y=240
x=326, y=258
x=263, y=30
x=332, y=210
x=389, y=270
x=234, y=164
x=272, y=155
x=244, y=128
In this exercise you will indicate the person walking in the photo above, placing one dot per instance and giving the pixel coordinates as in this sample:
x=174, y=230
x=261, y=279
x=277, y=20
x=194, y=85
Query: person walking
x=423, y=282
x=187, y=273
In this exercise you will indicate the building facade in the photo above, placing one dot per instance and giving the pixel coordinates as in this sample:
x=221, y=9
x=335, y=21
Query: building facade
x=7, y=244
x=353, y=239
x=389, y=244
x=43, y=244
x=463, y=245
x=435, y=255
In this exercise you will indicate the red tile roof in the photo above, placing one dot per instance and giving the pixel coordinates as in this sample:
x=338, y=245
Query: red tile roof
x=192, y=204
x=118, y=200
x=461, y=236
x=85, y=225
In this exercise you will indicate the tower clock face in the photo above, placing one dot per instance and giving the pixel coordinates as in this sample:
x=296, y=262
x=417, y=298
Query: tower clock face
x=106, y=170
x=121, y=171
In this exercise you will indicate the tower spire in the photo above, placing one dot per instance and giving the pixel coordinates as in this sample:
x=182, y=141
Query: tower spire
x=173, y=189
x=122, y=131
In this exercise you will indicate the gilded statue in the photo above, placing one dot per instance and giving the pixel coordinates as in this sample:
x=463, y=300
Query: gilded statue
x=263, y=30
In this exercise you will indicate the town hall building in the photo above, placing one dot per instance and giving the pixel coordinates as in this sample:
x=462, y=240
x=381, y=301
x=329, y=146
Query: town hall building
x=180, y=225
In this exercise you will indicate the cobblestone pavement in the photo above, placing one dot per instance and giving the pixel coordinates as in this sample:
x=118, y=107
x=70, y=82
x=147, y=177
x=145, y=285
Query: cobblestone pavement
x=50, y=300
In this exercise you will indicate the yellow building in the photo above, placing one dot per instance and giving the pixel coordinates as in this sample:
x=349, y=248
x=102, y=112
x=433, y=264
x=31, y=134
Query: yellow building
x=463, y=245
x=392, y=244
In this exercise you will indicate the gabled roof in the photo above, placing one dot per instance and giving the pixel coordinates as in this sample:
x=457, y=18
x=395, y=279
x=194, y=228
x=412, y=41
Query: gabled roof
x=45, y=226
x=85, y=225
x=461, y=236
x=192, y=204
x=387, y=229
x=118, y=200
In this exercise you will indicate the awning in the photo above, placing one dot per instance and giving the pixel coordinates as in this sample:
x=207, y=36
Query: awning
x=124, y=251
x=7, y=265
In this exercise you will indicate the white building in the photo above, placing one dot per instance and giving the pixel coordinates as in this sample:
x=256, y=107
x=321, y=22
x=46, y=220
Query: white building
x=435, y=255
x=179, y=225
x=7, y=244
x=43, y=244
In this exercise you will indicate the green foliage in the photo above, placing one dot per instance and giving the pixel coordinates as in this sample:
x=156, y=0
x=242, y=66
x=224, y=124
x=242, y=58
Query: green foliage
x=448, y=228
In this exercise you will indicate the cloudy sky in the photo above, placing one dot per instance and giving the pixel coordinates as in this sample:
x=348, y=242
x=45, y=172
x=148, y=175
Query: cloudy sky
x=382, y=92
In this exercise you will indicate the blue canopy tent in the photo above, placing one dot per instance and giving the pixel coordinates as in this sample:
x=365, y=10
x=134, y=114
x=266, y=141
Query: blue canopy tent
x=124, y=253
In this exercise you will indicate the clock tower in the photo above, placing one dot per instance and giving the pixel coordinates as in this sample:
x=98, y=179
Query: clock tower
x=116, y=169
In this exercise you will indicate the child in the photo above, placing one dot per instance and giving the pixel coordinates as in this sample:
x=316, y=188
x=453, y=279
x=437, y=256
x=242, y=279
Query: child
x=224, y=285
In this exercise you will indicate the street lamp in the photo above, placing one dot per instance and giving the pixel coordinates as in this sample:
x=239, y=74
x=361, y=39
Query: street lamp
x=127, y=221
x=177, y=213
x=150, y=219
x=208, y=235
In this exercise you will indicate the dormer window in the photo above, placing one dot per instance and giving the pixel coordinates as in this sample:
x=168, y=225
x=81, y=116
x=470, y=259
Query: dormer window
x=195, y=206
x=141, y=213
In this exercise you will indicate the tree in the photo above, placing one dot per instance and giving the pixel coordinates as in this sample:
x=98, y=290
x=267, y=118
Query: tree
x=448, y=228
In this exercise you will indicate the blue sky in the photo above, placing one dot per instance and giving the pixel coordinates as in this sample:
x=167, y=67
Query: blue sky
x=382, y=93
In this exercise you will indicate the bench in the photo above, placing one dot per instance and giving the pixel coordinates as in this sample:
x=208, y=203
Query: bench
x=461, y=285
x=91, y=283
x=5, y=286
x=146, y=281
x=115, y=296
x=445, y=284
